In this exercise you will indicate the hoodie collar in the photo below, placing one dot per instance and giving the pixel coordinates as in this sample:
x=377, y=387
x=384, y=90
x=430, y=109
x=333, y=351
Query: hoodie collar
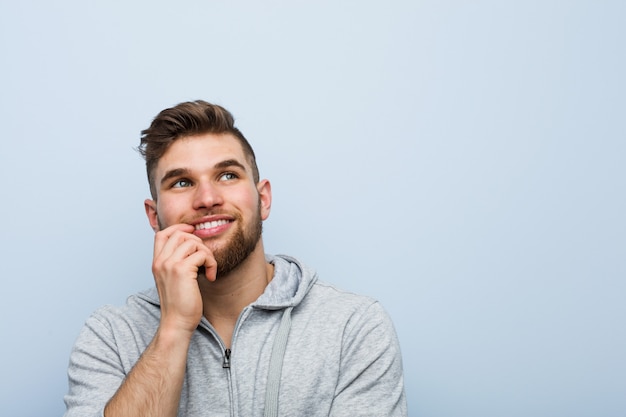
x=291, y=282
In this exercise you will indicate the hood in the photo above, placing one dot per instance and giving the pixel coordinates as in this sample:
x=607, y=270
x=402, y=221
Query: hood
x=291, y=282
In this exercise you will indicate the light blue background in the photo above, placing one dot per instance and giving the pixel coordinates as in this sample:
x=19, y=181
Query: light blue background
x=461, y=161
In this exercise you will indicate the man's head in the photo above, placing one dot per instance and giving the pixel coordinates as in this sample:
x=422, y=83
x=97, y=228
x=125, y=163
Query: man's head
x=183, y=120
x=202, y=172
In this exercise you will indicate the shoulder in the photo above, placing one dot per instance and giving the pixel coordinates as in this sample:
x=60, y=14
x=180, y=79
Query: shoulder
x=347, y=309
x=113, y=339
x=334, y=297
x=140, y=314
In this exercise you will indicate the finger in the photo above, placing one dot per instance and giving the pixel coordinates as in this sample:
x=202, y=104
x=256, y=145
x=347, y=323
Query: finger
x=175, y=261
x=181, y=251
x=210, y=267
x=207, y=265
x=177, y=243
x=183, y=227
x=204, y=263
x=163, y=236
x=202, y=256
x=167, y=241
x=175, y=249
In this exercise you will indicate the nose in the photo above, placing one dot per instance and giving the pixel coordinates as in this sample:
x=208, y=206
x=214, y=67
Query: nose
x=206, y=196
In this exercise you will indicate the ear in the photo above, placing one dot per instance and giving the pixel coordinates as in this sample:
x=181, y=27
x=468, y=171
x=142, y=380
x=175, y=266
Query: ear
x=151, y=212
x=265, y=195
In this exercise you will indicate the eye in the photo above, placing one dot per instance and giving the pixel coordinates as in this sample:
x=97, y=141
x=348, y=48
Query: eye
x=228, y=176
x=181, y=184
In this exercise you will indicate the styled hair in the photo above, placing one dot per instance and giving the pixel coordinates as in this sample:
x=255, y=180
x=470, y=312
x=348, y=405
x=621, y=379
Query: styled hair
x=184, y=120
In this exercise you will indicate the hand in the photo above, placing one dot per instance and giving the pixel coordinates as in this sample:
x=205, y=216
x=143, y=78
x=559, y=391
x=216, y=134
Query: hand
x=178, y=256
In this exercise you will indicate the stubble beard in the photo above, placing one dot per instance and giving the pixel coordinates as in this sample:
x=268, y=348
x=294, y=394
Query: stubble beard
x=237, y=249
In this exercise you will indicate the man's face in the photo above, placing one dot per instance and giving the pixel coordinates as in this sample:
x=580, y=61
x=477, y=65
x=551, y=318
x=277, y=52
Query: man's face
x=206, y=181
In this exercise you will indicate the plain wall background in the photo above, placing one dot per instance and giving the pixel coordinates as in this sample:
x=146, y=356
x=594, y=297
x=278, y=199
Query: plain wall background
x=461, y=161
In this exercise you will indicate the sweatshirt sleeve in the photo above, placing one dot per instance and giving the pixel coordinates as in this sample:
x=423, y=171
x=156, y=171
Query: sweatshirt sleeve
x=371, y=382
x=95, y=371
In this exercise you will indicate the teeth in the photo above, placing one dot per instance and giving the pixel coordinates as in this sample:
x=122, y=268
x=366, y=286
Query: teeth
x=210, y=225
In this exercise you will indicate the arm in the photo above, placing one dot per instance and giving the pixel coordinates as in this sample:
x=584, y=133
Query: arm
x=371, y=382
x=153, y=386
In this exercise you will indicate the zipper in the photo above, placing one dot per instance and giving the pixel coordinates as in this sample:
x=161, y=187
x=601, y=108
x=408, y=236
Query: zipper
x=226, y=363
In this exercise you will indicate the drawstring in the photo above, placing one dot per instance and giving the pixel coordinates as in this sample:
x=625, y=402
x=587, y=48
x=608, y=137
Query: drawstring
x=276, y=365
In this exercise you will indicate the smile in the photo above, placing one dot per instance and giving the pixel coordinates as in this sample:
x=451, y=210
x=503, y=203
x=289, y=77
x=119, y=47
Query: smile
x=211, y=225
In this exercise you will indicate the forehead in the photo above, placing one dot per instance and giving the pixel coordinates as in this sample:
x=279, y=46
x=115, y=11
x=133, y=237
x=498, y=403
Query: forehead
x=201, y=152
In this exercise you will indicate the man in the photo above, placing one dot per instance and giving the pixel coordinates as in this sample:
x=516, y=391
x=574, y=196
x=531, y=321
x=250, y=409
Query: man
x=228, y=330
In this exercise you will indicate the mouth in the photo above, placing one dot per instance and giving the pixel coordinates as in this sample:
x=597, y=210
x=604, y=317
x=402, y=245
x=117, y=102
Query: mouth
x=211, y=225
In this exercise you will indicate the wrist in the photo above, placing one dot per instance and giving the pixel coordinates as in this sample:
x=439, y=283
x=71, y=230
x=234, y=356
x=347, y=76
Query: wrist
x=170, y=335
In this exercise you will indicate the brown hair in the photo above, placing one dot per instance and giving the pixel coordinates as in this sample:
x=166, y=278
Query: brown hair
x=188, y=119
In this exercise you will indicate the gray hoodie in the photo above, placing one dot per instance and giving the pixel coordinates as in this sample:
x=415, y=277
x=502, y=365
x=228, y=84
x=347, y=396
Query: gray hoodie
x=303, y=348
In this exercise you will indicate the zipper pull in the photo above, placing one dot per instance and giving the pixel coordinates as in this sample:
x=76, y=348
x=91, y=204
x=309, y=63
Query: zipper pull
x=226, y=363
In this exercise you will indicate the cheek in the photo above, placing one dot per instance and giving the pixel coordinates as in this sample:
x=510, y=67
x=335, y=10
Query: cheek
x=166, y=212
x=243, y=197
x=253, y=202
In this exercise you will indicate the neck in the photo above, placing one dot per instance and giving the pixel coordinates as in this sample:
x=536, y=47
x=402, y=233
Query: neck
x=224, y=299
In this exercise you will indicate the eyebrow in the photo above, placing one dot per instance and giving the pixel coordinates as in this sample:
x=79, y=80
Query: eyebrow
x=230, y=163
x=182, y=172
x=173, y=173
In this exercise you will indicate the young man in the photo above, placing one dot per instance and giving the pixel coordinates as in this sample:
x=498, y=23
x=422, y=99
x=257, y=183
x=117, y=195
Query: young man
x=228, y=330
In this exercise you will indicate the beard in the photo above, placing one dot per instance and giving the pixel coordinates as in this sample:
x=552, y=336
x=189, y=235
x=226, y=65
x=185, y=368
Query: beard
x=237, y=248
